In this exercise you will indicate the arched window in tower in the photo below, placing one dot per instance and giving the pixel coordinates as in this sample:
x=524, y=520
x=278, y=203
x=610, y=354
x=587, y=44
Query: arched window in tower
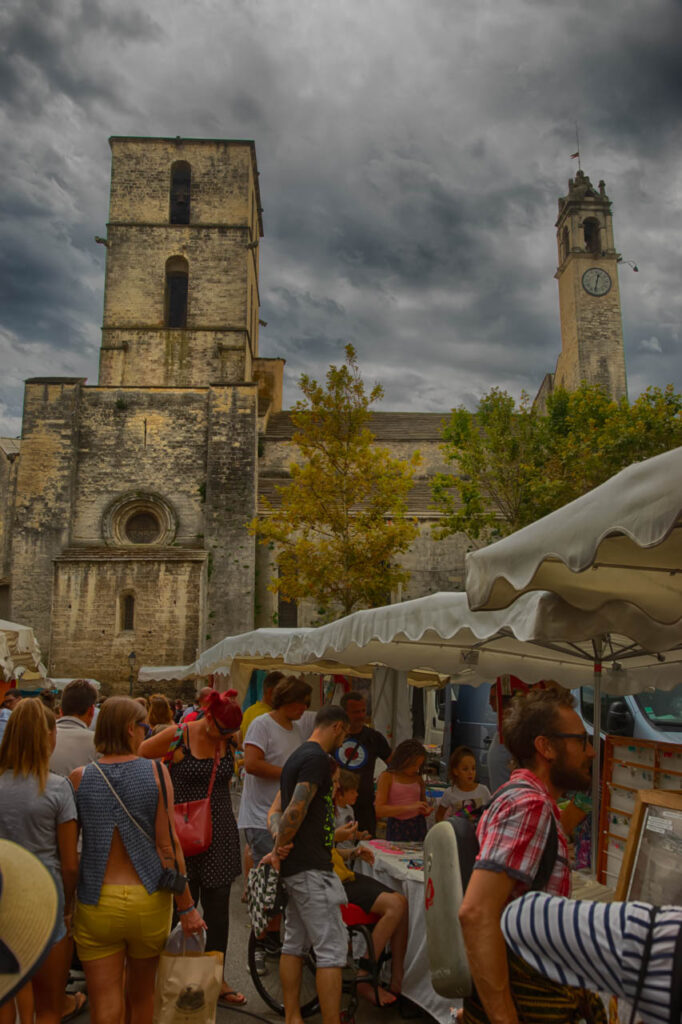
x=565, y=244
x=592, y=236
x=177, y=278
x=127, y=613
x=180, y=190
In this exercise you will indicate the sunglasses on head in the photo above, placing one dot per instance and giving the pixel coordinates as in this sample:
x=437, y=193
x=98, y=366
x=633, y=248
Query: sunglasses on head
x=221, y=730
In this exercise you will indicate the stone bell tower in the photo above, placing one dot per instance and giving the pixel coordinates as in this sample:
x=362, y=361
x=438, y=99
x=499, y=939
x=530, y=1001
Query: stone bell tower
x=589, y=298
x=181, y=292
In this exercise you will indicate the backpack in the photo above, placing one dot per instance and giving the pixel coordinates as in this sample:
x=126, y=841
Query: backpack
x=467, y=841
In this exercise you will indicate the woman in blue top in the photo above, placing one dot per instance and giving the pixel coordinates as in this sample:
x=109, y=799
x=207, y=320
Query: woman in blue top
x=38, y=812
x=123, y=915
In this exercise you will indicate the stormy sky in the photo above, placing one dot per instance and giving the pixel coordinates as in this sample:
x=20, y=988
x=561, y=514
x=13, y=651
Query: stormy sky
x=411, y=155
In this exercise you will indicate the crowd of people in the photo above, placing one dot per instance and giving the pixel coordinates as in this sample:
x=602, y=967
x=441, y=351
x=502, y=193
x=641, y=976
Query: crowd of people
x=95, y=793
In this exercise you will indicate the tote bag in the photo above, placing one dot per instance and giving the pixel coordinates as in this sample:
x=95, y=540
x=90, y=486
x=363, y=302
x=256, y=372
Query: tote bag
x=187, y=988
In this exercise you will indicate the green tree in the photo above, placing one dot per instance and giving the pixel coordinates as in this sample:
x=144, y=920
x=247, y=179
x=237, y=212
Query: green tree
x=342, y=520
x=514, y=466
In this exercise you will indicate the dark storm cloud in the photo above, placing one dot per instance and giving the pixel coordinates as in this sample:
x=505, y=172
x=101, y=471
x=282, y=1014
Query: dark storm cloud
x=42, y=51
x=411, y=157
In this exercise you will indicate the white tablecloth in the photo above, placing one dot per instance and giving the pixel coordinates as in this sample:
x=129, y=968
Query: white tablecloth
x=392, y=870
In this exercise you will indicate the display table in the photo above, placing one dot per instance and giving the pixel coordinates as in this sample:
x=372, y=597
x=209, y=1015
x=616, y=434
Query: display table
x=398, y=865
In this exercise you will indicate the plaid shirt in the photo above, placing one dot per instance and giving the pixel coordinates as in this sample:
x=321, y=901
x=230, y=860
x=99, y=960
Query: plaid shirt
x=512, y=836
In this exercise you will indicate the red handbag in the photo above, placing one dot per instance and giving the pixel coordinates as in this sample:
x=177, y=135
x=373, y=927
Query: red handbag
x=193, y=821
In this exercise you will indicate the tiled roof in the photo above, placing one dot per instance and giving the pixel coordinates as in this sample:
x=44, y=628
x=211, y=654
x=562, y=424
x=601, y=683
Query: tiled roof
x=386, y=426
x=419, y=501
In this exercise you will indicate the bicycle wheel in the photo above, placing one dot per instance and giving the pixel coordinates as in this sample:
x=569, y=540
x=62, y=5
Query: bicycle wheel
x=268, y=984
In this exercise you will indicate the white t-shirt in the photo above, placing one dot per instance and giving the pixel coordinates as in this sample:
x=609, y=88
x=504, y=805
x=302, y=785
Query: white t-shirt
x=456, y=799
x=277, y=744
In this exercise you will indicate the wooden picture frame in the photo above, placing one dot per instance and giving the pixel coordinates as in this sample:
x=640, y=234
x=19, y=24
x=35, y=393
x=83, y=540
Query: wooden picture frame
x=652, y=864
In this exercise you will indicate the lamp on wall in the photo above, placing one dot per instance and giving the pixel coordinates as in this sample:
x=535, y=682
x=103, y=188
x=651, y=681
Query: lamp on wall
x=131, y=662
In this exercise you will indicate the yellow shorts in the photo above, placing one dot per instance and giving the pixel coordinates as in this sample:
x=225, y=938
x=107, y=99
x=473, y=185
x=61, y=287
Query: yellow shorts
x=126, y=919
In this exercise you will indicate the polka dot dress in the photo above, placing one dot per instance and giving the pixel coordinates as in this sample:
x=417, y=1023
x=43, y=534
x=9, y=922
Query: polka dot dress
x=221, y=863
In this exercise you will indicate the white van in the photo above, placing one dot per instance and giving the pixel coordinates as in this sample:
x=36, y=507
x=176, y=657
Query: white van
x=651, y=715
x=434, y=716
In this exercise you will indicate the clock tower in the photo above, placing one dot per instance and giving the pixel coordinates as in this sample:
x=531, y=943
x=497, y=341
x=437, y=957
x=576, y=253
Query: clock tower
x=589, y=298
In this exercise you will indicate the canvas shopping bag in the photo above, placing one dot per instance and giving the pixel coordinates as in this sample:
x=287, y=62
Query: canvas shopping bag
x=187, y=988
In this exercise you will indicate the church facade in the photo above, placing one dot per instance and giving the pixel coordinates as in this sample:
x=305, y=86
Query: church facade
x=125, y=506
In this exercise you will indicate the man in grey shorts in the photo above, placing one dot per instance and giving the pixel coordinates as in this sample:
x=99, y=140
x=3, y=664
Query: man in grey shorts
x=303, y=845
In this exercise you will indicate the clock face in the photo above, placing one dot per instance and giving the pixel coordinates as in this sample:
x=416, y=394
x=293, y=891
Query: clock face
x=596, y=281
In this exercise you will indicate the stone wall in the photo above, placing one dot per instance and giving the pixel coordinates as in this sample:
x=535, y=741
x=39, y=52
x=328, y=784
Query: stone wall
x=46, y=477
x=88, y=637
x=141, y=441
x=231, y=490
x=9, y=465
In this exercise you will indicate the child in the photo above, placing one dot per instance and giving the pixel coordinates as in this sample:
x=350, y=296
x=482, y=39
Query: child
x=401, y=794
x=368, y=893
x=344, y=799
x=465, y=794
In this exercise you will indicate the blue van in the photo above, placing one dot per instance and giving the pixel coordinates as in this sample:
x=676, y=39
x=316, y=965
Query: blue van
x=469, y=722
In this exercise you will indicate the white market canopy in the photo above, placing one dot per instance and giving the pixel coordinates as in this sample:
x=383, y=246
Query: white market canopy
x=622, y=541
x=539, y=637
x=18, y=649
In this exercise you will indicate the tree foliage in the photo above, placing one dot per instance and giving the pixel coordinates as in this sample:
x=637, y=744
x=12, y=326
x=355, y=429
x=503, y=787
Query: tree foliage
x=343, y=517
x=514, y=465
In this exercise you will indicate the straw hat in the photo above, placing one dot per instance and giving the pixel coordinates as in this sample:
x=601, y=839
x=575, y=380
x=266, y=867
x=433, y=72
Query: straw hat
x=29, y=905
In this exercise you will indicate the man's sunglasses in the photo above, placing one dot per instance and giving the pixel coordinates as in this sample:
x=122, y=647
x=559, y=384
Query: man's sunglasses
x=584, y=736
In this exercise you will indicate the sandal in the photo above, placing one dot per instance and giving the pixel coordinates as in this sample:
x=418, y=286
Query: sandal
x=231, y=998
x=80, y=1003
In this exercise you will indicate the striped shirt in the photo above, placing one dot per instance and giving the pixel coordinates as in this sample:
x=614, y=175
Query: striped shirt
x=599, y=946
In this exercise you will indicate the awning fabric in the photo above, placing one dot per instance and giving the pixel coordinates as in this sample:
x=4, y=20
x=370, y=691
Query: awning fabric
x=627, y=533
x=18, y=648
x=539, y=637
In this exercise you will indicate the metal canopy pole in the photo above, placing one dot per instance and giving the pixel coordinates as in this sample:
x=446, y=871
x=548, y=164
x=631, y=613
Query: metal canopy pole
x=596, y=743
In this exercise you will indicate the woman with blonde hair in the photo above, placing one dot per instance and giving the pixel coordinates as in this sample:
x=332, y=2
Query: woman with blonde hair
x=37, y=811
x=131, y=866
x=197, y=752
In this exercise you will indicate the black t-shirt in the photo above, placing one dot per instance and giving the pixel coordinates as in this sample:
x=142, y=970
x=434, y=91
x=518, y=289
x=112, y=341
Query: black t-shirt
x=314, y=840
x=358, y=753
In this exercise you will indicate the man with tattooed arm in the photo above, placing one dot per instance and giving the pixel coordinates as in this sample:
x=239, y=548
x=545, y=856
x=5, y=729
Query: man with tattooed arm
x=304, y=837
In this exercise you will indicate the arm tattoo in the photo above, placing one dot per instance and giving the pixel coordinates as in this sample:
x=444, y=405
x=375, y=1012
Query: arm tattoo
x=292, y=817
x=273, y=823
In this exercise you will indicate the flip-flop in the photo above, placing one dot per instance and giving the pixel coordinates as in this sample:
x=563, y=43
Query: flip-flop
x=80, y=1004
x=231, y=998
x=373, y=999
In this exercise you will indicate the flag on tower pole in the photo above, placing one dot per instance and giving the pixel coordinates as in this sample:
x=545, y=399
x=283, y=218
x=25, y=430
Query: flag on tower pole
x=575, y=156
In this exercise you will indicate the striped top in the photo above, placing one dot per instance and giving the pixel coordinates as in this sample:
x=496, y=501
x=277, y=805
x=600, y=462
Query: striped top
x=598, y=946
x=99, y=812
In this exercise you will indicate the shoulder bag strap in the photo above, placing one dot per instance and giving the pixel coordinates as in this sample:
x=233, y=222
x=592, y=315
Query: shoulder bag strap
x=216, y=759
x=134, y=820
x=646, y=953
x=164, y=796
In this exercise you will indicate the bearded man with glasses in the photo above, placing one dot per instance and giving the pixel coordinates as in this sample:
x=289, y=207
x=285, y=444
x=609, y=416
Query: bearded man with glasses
x=522, y=847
